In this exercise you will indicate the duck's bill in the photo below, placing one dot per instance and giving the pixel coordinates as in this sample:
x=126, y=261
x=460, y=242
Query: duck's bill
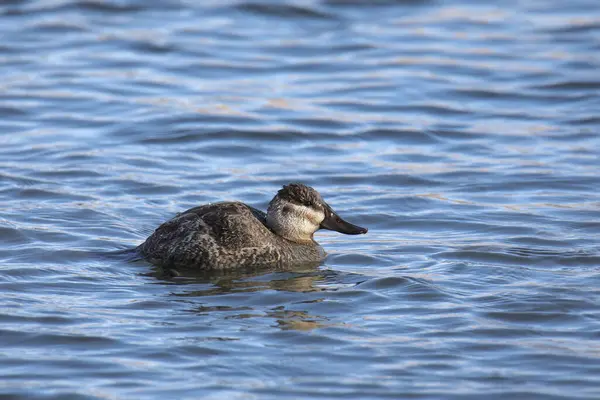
x=333, y=222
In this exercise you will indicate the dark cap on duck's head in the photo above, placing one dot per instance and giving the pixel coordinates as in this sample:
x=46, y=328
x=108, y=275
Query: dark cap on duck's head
x=301, y=194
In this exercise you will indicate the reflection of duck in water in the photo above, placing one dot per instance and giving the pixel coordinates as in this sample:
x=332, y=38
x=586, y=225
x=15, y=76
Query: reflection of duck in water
x=234, y=235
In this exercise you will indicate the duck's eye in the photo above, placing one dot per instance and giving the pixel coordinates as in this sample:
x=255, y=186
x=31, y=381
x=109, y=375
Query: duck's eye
x=338, y=220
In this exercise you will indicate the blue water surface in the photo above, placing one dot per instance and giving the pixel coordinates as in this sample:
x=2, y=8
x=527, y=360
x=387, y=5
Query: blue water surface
x=463, y=134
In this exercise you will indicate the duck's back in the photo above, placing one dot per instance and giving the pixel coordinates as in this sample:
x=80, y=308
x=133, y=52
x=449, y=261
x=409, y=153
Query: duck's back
x=219, y=235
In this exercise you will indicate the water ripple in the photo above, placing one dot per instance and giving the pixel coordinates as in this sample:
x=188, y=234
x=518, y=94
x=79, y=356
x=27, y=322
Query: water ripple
x=463, y=135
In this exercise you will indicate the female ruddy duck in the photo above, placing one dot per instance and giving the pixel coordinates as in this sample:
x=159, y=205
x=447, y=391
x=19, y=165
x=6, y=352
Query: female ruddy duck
x=235, y=235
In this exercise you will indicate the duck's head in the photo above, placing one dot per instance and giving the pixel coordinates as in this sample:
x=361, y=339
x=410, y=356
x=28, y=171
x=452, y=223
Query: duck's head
x=297, y=211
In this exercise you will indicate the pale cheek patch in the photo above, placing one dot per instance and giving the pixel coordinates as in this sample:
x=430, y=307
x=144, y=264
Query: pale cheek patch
x=309, y=219
x=315, y=217
x=307, y=227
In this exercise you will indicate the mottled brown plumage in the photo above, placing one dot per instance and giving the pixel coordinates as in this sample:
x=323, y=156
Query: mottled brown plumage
x=234, y=235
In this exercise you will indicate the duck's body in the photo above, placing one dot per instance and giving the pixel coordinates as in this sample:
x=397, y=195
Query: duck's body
x=235, y=235
x=223, y=235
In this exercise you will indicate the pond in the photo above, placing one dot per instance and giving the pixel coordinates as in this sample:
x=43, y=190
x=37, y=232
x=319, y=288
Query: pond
x=464, y=135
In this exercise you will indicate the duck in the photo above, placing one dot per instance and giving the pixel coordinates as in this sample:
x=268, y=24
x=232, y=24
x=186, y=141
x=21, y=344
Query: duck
x=227, y=235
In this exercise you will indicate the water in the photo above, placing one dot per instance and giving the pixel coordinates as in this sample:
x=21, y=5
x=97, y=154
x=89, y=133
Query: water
x=463, y=135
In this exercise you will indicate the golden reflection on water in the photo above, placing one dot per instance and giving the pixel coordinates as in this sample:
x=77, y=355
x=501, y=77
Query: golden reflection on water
x=305, y=279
